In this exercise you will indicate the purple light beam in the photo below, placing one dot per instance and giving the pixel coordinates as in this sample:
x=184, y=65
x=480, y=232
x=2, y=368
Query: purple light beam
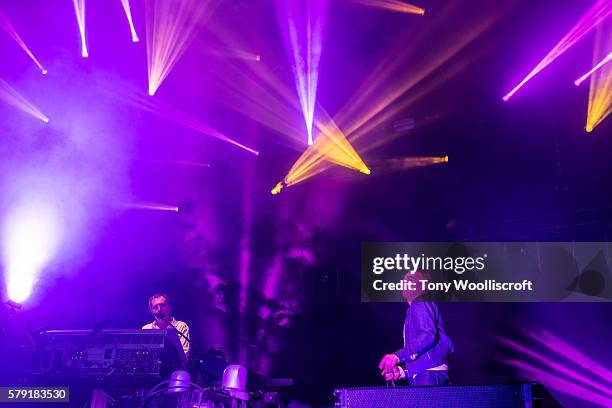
x=303, y=21
x=600, y=11
x=600, y=64
x=6, y=25
x=128, y=14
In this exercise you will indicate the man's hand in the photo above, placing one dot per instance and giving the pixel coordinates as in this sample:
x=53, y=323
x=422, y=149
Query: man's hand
x=396, y=373
x=387, y=363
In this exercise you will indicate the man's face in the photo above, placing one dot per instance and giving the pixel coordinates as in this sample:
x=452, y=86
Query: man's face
x=410, y=295
x=159, y=305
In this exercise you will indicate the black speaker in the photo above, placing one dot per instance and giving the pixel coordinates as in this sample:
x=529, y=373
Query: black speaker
x=515, y=395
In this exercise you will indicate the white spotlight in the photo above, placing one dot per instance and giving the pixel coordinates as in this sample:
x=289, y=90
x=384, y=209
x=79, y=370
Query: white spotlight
x=31, y=233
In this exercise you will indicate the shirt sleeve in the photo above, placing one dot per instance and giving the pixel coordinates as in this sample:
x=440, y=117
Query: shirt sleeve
x=184, y=329
x=425, y=337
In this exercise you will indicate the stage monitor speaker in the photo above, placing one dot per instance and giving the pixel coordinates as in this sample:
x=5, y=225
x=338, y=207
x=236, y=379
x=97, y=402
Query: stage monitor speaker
x=516, y=395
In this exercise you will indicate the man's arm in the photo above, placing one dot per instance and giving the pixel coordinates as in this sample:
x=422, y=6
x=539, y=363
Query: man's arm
x=424, y=315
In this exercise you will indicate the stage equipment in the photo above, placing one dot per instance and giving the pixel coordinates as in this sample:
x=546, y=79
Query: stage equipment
x=235, y=381
x=107, y=354
x=517, y=395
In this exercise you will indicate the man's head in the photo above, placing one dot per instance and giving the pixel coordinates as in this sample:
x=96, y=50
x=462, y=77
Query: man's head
x=159, y=305
x=415, y=277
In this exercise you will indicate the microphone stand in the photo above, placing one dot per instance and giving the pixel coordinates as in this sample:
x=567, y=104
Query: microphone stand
x=174, y=327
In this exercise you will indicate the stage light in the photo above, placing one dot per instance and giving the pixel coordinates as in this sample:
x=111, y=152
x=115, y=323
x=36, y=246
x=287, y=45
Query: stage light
x=10, y=95
x=384, y=93
x=603, y=62
x=232, y=53
x=302, y=22
x=570, y=353
x=166, y=111
x=257, y=91
x=598, y=13
x=148, y=206
x=128, y=14
x=330, y=146
x=407, y=163
x=31, y=233
x=170, y=26
x=555, y=382
x=79, y=10
x=391, y=5
x=277, y=188
x=600, y=89
x=556, y=374
x=6, y=25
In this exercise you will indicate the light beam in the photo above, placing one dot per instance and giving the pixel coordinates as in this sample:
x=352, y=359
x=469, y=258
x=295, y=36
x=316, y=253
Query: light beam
x=600, y=90
x=150, y=206
x=601, y=63
x=6, y=25
x=598, y=13
x=166, y=111
x=79, y=10
x=31, y=233
x=10, y=95
x=391, y=5
x=303, y=22
x=128, y=14
x=329, y=146
x=170, y=27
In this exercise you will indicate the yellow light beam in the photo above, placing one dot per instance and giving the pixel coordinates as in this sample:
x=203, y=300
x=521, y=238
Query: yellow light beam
x=600, y=91
x=330, y=146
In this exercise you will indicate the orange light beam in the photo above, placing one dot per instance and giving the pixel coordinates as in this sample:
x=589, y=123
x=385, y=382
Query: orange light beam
x=600, y=89
x=391, y=5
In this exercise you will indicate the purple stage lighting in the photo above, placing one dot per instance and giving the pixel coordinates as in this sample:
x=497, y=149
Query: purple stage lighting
x=166, y=111
x=603, y=62
x=599, y=12
x=79, y=9
x=31, y=233
x=150, y=206
x=303, y=22
x=6, y=25
x=10, y=95
x=128, y=14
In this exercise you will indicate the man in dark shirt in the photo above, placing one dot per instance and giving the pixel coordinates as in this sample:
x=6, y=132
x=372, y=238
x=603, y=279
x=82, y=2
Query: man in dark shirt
x=423, y=359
